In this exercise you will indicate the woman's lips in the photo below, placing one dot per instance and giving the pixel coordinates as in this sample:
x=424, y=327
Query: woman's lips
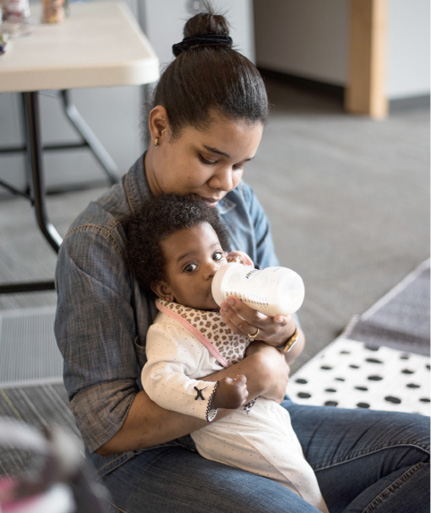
x=212, y=202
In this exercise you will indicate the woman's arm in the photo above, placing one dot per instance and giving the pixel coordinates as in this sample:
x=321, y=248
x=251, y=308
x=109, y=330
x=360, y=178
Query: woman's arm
x=147, y=424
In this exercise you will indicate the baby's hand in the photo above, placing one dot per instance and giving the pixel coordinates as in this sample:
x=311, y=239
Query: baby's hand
x=231, y=393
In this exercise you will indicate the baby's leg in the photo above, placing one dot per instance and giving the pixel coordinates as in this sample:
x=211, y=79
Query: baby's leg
x=262, y=442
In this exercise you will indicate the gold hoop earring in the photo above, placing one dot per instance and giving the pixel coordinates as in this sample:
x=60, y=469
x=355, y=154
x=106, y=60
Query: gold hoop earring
x=156, y=141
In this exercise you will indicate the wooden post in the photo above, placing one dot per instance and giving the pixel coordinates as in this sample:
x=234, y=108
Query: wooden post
x=365, y=92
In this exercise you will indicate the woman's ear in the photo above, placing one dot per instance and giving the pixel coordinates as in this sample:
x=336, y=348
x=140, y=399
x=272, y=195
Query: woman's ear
x=158, y=123
x=162, y=290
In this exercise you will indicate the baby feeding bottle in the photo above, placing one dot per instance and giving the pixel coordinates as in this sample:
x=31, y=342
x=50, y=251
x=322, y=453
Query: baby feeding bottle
x=272, y=291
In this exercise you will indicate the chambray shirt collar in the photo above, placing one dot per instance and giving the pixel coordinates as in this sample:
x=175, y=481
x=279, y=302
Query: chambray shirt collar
x=136, y=185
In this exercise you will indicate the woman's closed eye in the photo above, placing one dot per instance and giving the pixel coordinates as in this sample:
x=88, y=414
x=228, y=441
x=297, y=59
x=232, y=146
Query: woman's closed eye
x=208, y=162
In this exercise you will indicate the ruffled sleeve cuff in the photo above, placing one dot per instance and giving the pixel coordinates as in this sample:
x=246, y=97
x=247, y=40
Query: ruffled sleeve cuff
x=212, y=412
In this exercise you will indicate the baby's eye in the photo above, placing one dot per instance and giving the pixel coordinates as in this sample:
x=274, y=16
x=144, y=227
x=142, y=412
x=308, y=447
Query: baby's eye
x=218, y=255
x=190, y=268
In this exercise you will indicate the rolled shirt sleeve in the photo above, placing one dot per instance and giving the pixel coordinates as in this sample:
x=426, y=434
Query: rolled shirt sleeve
x=97, y=333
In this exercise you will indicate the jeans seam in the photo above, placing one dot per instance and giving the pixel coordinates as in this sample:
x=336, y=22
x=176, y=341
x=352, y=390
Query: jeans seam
x=393, y=487
x=114, y=463
x=372, y=450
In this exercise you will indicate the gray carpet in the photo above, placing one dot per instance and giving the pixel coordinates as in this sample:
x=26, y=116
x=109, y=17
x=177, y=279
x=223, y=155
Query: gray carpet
x=40, y=406
x=29, y=353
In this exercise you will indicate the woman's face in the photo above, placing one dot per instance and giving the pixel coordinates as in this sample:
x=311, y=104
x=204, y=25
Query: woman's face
x=206, y=162
x=192, y=256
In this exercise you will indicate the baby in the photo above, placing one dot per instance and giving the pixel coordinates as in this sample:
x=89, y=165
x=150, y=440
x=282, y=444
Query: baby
x=175, y=246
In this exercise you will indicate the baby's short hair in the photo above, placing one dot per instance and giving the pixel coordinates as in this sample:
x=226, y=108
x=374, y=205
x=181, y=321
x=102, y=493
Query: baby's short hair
x=157, y=219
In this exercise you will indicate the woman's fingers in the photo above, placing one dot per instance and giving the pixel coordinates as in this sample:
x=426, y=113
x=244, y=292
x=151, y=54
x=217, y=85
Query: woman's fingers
x=241, y=318
x=246, y=321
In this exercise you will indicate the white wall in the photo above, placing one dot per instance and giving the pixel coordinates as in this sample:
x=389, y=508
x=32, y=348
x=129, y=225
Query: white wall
x=309, y=38
x=408, y=57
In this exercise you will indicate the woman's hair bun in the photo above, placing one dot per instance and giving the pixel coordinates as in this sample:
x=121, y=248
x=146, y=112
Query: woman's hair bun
x=209, y=76
x=206, y=23
x=204, y=29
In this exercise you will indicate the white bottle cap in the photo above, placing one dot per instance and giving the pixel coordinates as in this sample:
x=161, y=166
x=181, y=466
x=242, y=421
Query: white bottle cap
x=217, y=289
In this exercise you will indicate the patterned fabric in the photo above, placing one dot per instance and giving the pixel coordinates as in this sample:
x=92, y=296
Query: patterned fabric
x=230, y=345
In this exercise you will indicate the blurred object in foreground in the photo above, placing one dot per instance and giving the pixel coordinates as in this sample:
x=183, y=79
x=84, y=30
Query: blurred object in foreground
x=57, y=479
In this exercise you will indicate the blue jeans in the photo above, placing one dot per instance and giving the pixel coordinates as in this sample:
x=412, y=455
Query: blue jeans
x=365, y=462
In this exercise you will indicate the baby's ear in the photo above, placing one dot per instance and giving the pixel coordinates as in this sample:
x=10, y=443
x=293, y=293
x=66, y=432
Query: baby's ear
x=161, y=289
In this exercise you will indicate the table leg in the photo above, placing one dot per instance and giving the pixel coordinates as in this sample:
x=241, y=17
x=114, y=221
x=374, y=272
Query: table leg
x=90, y=140
x=34, y=152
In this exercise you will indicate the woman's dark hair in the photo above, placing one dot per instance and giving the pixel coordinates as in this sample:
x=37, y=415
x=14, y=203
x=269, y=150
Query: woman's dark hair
x=207, y=75
x=157, y=219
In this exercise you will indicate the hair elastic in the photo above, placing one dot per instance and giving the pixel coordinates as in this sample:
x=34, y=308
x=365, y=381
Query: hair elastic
x=208, y=40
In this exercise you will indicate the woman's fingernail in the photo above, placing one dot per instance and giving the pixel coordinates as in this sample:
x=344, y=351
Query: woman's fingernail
x=231, y=301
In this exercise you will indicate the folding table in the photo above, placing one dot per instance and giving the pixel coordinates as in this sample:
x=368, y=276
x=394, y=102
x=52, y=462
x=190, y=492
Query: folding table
x=99, y=45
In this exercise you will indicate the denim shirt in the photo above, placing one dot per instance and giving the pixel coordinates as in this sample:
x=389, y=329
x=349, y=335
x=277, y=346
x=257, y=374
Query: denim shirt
x=103, y=316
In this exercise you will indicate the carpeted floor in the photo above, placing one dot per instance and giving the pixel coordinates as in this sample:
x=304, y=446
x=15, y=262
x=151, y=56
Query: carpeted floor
x=40, y=406
x=29, y=351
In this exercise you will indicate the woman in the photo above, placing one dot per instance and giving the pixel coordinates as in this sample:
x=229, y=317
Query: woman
x=209, y=110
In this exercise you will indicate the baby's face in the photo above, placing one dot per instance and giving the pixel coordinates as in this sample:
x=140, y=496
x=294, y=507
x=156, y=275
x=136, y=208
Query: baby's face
x=193, y=255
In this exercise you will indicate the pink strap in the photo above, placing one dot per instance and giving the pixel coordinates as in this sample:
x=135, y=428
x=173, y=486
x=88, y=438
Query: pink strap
x=195, y=332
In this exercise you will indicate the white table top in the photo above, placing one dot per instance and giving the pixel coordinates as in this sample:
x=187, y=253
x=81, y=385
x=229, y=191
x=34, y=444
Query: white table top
x=100, y=44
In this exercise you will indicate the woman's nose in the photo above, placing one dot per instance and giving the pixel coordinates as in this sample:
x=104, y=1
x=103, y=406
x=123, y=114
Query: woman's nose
x=222, y=180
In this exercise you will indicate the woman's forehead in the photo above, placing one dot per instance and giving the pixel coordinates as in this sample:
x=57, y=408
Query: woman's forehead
x=222, y=133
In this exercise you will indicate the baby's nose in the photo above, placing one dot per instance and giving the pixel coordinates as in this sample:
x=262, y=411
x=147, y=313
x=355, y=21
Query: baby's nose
x=212, y=268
